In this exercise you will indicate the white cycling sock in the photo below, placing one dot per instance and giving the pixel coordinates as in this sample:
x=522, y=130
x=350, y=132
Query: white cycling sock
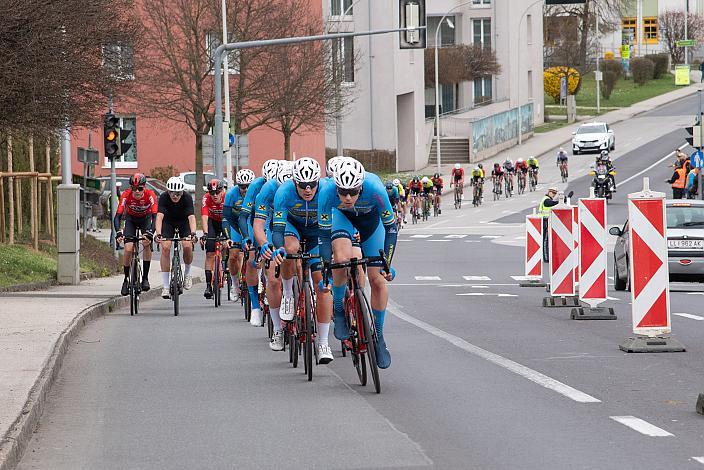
x=275, y=318
x=166, y=277
x=288, y=287
x=323, y=331
x=187, y=270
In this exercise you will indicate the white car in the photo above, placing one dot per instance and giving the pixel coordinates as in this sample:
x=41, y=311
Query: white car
x=189, y=180
x=593, y=137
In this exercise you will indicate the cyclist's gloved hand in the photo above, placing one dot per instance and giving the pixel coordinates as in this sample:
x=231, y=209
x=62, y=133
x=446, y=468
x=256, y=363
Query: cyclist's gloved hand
x=194, y=237
x=149, y=235
x=265, y=252
x=390, y=275
x=158, y=237
x=203, y=239
x=119, y=235
x=279, y=256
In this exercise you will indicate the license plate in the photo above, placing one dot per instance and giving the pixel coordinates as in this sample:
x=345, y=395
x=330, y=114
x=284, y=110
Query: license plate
x=686, y=244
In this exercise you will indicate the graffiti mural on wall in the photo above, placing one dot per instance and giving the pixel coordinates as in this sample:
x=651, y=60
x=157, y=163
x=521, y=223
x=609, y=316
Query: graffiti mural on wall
x=500, y=128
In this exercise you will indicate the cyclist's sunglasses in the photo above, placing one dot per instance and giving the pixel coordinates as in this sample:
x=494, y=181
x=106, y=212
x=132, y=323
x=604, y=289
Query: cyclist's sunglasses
x=349, y=192
x=308, y=184
x=243, y=186
x=214, y=192
x=175, y=193
x=138, y=188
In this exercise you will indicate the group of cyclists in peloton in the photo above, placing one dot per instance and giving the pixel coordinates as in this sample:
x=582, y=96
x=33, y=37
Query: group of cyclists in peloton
x=290, y=209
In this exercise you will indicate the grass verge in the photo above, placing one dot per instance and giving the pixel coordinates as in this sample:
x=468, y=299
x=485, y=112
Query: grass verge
x=550, y=126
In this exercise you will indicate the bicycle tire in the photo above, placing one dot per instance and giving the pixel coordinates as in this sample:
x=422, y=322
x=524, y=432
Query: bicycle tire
x=309, y=337
x=360, y=364
x=296, y=324
x=269, y=324
x=369, y=337
x=133, y=292
x=216, y=284
x=247, y=303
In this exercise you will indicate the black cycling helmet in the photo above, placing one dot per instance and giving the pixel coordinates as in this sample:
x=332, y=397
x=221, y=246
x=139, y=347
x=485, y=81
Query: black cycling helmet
x=480, y=166
x=389, y=184
x=138, y=179
x=497, y=165
x=215, y=185
x=436, y=175
x=416, y=178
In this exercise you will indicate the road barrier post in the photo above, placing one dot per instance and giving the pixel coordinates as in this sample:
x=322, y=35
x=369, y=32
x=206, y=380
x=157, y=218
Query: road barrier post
x=592, y=261
x=533, y=252
x=561, y=258
x=650, y=290
x=575, y=235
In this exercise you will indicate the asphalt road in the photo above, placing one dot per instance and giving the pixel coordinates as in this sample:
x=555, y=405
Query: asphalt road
x=482, y=377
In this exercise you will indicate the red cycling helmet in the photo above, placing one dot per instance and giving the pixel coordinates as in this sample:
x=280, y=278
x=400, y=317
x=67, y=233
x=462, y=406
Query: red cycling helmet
x=215, y=185
x=138, y=179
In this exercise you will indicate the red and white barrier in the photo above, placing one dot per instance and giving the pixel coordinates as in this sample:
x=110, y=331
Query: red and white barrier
x=647, y=253
x=592, y=251
x=575, y=235
x=561, y=249
x=534, y=248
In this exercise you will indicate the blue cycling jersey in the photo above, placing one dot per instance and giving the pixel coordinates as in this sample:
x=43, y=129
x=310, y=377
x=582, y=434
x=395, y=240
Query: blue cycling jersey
x=264, y=202
x=246, y=216
x=231, y=208
x=290, y=208
x=373, y=208
x=393, y=195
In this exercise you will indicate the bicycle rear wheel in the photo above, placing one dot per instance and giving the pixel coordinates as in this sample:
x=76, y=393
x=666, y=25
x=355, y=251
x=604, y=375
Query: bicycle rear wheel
x=309, y=328
x=247, y=304
x=133, y=290
x=369, y=336
x=175, y=289
x=216, y=284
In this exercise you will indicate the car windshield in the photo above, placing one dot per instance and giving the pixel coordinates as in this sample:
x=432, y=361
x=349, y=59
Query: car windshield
x=594, y=129
x=685, y=216
x=157, y=184
x=190, y=178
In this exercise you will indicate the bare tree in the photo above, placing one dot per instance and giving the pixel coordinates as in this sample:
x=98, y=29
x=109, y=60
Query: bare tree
x=671, y=25
x=459, y=63
x=302, y=87
x=52, y=55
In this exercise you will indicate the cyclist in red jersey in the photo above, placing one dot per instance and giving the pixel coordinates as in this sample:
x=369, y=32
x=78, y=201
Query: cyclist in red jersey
x=139, y=206
x=457, y=177
x=211, y=218
x=437, y=188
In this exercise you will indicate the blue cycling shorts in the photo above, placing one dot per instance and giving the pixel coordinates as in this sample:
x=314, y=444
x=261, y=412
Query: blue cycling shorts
x=371, y=236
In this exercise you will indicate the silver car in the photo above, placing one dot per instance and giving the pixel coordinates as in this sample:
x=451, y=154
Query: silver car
x=685, y=243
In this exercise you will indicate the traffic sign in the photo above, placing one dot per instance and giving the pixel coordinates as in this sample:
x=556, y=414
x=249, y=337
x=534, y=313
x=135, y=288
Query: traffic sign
x=534, y=248
x=685, y=43
x=91, y=183
x=592, y=254
x=88, y=156
x=561, y=249
x=232, y=139
x=697, y=159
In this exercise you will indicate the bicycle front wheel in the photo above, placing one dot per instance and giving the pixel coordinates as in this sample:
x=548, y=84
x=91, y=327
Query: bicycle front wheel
x=369, y=338
x=309, y=338
x=216, y=284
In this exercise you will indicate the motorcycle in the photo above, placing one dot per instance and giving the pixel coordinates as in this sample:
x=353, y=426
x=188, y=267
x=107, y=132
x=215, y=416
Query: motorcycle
x=603, y=182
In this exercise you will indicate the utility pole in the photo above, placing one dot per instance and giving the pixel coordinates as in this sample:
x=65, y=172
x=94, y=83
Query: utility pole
x=226, y=68
x=113, y=194
x=701, y=135
x=686, y=20
x=598, y=54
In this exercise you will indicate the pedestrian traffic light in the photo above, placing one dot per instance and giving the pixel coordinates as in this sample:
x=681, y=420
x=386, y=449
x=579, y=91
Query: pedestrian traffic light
x=694, y=138
x=111, y=134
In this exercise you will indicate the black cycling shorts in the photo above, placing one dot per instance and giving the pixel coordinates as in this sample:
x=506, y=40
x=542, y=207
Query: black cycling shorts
x=134, y=223
x=169, y=231
x=215, y=229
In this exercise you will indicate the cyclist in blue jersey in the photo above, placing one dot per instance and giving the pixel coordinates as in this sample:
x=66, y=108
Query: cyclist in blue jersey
x=244, y=221
x=296, y=223
x=358, y=201
x=332, y=166
x=263, y=218
x=231, y=211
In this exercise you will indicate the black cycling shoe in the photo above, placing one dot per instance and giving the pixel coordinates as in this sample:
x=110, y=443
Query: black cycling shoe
x=208, y=294
x=125, y=287
x=145, y=285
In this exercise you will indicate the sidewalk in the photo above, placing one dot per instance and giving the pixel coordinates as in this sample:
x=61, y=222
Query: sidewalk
x=548, y=143
x=36, y=329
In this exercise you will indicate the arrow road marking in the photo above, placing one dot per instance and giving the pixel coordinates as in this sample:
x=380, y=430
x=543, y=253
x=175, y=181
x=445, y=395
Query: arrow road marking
x=519, y=369
x=641, y=426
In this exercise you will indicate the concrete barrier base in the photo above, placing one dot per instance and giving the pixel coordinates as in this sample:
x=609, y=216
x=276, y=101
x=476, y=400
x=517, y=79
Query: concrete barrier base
x=644, y=344
x=597, y=313
x=569, y=301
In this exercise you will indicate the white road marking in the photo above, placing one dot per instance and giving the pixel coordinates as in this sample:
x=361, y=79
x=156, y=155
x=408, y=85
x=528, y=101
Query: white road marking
x=611, y=277
x=479, y=287
x=505, y=212
x=641, y=426
x=611, y=298
x=695, y=293
x=455, y=236
x=482, y=293
x=472, y=293
x=669, y=155
x=520, y=238
x=491, y=236
x=472, y=241
x=698, y=459
x=523, y=278
x=401, y=284
x=519, y=369
x=507, y=295
x=439, y=240
x=421, y=236
x=476, y=278
x=690, y=316
x=427, y=278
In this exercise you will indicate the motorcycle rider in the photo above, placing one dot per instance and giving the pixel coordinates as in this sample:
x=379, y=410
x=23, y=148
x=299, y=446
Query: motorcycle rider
x=605, y=159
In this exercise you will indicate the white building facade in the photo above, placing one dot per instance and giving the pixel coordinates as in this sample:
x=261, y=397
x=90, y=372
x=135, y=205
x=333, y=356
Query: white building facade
x=393, y=108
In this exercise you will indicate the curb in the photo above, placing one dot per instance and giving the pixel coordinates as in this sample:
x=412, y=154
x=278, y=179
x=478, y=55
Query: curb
x=15, y=441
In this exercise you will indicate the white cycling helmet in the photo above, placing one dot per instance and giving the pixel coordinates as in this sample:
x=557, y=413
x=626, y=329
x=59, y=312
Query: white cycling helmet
x=425, y=180
x=520, y=160
x=285, y=172
x=333, y=164
x=457, y=166
x=476, y=167
x=349, y=175
x=306, y=170
x=396, y=182
x=245, y=176
x=269, y=169
x=175, y=184
x=508, y=161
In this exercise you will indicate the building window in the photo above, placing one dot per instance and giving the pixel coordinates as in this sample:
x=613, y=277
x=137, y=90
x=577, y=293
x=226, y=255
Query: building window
x=481, y=2
x=129, y=158
x=482, y=90
x=447, y=31
x=118, y=58
x=529, y=28
x=212, y=40
x=344, y=49
x=630, y=34
x=481, y=32
x=338, y=7
x=530, y=84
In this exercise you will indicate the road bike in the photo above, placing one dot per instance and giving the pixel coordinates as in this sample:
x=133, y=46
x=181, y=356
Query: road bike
x=532, y=178
x=477, y=192
x=497, y=187
x=363, y=337
x=218, y=271
x=521, y=182
x=414, y=209
x=243, y=288
x=426, y=206
x=135, y=278
x=458, y=196
x=563, y=171
x=508, y=184
x=176, y=282
x=436, y=202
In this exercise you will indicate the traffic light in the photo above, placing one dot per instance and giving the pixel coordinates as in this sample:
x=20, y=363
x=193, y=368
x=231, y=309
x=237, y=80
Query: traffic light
x=695, y=133
x=111, y=135
x=124, y=146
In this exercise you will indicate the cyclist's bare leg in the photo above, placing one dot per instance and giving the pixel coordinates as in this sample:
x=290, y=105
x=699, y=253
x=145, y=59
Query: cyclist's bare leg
x=233, y=262
x=323, y=300
x=342, y=253
x=187, y=252
x=127, y=257
x=209, y=261
x=251, y=275
x=147, y=253
x=165, y=260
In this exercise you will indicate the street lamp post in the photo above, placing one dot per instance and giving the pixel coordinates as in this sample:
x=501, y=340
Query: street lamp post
x=518, y=70
x=437, y=84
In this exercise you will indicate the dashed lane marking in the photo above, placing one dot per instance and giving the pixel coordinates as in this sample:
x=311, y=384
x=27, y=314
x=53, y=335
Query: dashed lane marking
x=421, y=236
x=519, y=369
x=507, y=295
x=690, y=316
x=427, y=278
x=455, y=236
x=476, y=278
x=440, y=240
x=473, y=293
x=479, y=287
x=411, y=284
x=491, y=236
x=520, y=238
x=641, y=426
x=698, y=459
x=487, y=294
x=472, y=241
x=695, y=293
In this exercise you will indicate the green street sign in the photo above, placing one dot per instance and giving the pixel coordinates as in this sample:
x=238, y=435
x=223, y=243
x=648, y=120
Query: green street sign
x=685, y=43
x=91, y=183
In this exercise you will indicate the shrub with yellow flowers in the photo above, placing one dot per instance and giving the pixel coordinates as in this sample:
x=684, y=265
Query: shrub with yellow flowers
x=551, y=80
